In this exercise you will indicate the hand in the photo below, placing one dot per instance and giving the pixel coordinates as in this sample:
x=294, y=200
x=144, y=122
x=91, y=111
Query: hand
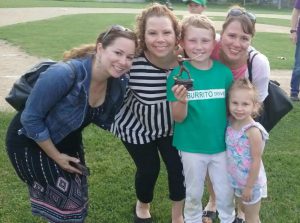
x=293, y=37
x=180, y=93
x=64, y=161
x=247, y=194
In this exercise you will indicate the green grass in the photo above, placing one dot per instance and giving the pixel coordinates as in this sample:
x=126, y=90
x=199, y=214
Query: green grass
x=77, y=29
x=73, y=31
x=112, y=173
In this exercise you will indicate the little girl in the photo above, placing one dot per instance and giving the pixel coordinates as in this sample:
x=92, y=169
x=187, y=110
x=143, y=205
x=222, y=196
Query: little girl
x=245, y=141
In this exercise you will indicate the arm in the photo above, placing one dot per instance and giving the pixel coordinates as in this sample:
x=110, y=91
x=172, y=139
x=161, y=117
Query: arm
x=261, y=75
x=179, y=107
x=256, y=144
x=51, y=86
x=49, y=89
x=294, y=24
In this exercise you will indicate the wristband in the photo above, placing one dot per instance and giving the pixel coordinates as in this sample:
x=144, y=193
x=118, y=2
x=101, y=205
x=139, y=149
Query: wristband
x=293, y=31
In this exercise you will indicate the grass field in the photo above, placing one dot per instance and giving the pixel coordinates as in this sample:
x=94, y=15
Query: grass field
x=112, y=171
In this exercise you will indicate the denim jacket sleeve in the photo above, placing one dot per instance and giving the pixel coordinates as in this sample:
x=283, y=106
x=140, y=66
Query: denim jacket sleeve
x=51, y=87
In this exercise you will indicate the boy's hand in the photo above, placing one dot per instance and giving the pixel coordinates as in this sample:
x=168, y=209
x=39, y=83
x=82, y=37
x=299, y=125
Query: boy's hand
x=180, y=92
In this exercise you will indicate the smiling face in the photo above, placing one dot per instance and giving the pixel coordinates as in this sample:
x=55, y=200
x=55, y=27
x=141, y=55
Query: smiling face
x=242, y=104
x=160, y=37
x=235, y=42
x=116, y=59
x=198, y=44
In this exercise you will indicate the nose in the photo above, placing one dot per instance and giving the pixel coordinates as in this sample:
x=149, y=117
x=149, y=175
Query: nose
x=160, y=37
x=237, y=42
x=124, y=61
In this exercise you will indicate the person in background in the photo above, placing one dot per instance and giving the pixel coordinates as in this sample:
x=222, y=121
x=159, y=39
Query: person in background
x=144, y=122
x=295, y=37
x=196, y=6
x=234, y=50
x=245, y=142
x=44, y=141
x=200, y=119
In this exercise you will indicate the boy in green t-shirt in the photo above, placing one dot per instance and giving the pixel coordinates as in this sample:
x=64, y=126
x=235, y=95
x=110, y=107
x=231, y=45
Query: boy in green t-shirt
x=200, y=119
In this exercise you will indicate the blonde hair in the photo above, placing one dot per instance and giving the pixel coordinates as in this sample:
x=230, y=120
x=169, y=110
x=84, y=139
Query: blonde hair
x=154, y=10
x=198, y=21
x=245, y=84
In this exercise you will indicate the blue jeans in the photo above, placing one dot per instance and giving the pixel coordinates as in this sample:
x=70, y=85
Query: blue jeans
x=295, y=81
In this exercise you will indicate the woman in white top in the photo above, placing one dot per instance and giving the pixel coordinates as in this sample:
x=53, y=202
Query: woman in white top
x=234, y=50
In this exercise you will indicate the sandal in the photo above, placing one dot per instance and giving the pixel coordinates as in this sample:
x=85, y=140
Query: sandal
x=137, y=219
x=239, y=220
x=209, y=216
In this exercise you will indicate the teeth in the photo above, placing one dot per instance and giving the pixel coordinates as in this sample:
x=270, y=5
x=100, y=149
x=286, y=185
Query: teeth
x=234, y=51
x=118, y=68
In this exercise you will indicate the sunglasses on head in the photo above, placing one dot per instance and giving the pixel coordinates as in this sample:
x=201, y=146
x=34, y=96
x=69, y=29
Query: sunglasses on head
x=239, y=12
x=115, y=28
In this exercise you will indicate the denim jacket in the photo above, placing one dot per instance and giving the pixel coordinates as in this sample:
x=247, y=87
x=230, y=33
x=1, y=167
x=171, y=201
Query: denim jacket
x=58, y=102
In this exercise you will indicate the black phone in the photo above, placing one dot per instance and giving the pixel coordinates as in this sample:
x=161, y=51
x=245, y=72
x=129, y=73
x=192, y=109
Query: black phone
x=84, y=170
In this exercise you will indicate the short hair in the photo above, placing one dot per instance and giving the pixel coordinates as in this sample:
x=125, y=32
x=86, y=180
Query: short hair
x=198, y=21
x=154, y=10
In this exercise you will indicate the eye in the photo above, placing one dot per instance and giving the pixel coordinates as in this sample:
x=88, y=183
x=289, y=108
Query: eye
x=245, y=38
x=206, y=40
x=119, y=53
x=192, y=40
x=167, y=32
x=130, y=58
x=151, y=33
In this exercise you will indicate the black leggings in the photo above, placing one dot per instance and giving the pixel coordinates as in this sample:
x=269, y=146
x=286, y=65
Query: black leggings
x=147, y=161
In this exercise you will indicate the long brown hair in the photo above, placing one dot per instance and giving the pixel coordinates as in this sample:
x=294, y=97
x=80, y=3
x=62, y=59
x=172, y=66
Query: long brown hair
x=105, y=38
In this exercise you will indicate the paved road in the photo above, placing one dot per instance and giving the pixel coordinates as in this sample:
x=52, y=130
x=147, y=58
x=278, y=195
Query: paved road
x=14, y=61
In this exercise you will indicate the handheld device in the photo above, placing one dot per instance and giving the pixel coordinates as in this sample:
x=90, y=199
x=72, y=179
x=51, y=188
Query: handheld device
x=84, y=170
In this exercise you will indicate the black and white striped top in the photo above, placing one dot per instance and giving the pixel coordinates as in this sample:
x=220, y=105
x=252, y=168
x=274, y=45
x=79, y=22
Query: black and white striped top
x=145, y=115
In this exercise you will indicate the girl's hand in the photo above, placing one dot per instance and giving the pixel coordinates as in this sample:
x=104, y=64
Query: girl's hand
x=247, y=194
x=180, y=93
x=64, y=160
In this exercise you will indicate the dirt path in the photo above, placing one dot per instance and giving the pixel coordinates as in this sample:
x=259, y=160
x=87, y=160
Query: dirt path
x=14, y=61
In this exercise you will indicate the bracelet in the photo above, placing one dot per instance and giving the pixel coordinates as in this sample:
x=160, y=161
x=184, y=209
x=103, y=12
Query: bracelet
x=293, y=31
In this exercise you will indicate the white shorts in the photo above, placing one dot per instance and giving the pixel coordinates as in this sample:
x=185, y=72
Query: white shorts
x=257, y=194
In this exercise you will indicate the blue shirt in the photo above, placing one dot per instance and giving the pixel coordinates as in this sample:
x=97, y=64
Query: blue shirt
x=58, y=102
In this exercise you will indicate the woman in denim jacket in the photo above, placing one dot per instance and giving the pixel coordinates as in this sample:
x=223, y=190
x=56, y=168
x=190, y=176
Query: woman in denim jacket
x=44, y=141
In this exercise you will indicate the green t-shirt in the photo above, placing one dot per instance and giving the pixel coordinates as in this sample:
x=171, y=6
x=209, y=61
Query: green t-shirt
x=203, y=129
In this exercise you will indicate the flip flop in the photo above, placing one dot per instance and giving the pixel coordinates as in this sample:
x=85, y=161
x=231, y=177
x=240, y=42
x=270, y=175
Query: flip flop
x=209, y=216
x=239, y=220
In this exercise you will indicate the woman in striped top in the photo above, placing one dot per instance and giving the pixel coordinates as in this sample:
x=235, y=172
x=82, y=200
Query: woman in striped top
x=144, y=122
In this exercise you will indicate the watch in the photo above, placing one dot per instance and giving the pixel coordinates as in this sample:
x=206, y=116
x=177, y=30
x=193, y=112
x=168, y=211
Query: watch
x=293, y=31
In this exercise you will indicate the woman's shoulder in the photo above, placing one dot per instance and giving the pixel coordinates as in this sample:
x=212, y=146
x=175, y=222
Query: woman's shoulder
x=255, y=55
